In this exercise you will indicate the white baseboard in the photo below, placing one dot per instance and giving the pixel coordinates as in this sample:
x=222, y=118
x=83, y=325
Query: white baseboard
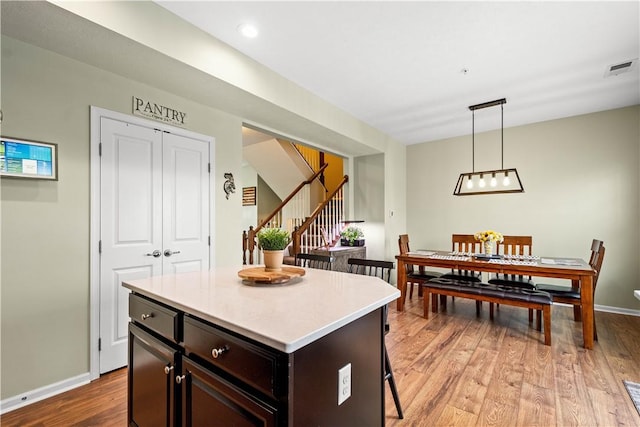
x=608, y=309
x=617, y=310
x=41, y=393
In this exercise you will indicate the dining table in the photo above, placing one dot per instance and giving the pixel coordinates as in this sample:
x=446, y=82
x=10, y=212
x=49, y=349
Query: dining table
x=577, y=270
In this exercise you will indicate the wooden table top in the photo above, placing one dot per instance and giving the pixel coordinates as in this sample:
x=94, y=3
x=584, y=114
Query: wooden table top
x=533, y=266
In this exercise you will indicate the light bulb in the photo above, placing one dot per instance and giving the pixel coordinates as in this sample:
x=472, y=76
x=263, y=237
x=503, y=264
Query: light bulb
x=506, y=181
x=493, y=181
x=481, y=184
x=469, y=183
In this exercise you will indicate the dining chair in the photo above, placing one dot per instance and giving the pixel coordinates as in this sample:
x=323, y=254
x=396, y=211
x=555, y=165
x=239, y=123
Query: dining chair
x=571, y=295
x=321, y=262
x=381, y=269
x=514, y=246
x=414, y=277
x=466, y=243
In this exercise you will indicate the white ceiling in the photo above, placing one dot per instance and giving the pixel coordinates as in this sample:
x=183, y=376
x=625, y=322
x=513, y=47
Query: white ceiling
x=398, y=66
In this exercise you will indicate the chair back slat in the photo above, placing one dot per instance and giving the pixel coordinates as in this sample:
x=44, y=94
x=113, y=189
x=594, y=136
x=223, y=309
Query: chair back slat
x=321, y=262
x=370, y=267
x=403, y=246
x=515, y=245
x=597, y=256
x=595, y=248
x=465, y=243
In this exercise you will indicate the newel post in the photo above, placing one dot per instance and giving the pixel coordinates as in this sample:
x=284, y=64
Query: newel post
x=251, y=243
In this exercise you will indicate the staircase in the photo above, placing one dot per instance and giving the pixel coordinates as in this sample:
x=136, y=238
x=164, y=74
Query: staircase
x=311, y=213
x=320, y=229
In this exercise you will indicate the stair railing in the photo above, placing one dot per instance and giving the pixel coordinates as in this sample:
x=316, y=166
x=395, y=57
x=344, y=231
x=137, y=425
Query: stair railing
x=249, y=243
x=322, y=228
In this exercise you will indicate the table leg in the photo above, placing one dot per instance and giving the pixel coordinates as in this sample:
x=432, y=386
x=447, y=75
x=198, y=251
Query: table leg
x=577, y=311
x=402, y=285
x=586, y=295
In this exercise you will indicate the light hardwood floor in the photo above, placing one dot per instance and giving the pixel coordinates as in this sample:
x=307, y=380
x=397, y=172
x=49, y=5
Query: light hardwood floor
x=453, y=369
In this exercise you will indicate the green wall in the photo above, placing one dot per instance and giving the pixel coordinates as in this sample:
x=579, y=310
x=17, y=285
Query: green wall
x=368, y=188
x=581, y=179
x=45, y=225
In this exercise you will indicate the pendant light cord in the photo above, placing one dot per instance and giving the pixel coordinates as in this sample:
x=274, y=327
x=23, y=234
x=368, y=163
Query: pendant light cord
x=502, y=135
x=473, y=141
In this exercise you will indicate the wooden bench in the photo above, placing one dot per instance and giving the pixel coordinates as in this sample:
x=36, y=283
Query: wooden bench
x=519, y=297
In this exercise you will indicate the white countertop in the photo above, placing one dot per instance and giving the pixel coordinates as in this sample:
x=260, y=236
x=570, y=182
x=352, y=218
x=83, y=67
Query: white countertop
x=285, y=317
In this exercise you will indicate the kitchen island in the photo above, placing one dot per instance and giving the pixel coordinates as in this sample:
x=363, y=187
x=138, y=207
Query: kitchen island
x=207, y=349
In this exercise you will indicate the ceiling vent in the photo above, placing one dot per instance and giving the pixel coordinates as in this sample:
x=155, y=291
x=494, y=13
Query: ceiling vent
x=623, y=67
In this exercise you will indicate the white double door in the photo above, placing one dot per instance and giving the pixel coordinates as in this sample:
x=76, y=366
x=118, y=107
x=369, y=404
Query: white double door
x=154, y=203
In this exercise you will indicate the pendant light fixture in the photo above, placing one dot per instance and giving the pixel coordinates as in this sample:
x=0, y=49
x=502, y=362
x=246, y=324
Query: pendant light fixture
x=499, y=180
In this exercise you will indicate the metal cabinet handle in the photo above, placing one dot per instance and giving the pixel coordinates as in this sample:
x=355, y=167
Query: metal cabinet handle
x=180, y=378
x=217, y=352
x=154, y=254
x=168, y=369
x=146, y=316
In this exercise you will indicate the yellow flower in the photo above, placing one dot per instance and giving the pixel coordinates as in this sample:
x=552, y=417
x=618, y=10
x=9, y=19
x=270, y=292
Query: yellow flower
x=488, y=236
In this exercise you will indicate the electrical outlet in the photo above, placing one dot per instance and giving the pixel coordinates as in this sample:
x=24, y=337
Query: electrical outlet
x=344, y=383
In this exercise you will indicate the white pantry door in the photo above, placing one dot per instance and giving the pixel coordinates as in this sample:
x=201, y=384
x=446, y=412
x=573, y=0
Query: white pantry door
x=185, y=213
x=154, y=204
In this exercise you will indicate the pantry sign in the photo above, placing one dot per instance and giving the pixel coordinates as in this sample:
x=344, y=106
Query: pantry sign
x=159, y=112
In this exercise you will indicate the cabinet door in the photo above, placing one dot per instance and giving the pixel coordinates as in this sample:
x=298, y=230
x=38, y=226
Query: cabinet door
x=208, y=400
x=152, y=399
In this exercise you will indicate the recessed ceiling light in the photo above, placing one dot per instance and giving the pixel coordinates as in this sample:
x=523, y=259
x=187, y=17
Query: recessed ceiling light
x=248, y=30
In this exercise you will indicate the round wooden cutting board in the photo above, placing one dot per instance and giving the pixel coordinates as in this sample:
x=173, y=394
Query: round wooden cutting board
x=259, y=275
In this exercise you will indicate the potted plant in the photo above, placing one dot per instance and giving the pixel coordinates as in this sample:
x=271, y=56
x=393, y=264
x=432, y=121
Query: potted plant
x=273, y=241
x=352, y=236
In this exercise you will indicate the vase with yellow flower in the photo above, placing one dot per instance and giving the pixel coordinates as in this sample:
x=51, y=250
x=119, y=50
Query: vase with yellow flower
x=487, y=237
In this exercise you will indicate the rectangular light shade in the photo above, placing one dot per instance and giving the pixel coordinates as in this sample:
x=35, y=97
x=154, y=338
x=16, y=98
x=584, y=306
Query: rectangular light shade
x=488, y=182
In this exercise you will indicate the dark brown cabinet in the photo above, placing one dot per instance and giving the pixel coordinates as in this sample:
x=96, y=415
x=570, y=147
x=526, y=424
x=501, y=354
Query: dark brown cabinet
x=152, y=369
x=167, y=388
x=186, y=371
x=261, y=369
x=209, y=400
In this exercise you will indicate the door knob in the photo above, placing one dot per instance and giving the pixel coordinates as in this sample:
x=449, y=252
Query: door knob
x=154, y=254
x=169, y=252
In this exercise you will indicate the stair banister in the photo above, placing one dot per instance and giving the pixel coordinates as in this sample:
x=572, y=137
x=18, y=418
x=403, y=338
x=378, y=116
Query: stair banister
x=297, y=234
x=289, y=197
x=249, y=238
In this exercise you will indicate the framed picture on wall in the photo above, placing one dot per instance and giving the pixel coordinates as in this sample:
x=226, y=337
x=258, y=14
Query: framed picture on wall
x=248, y=196
x=20, y=158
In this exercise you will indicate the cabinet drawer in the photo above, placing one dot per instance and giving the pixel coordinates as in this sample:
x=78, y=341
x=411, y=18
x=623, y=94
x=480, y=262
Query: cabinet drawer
x=250, y=363
x=209, y=400
x=156, y=317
